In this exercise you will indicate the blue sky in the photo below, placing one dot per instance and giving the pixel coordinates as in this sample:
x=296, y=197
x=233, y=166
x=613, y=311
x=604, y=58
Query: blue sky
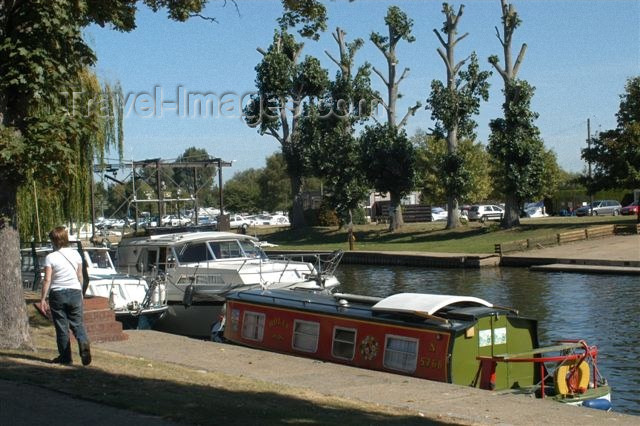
x=579, y=56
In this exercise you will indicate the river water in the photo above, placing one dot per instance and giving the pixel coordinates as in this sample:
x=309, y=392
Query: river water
x=602, y=309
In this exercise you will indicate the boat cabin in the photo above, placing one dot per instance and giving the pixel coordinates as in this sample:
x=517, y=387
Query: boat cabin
x=165, y=252
x=435, y=337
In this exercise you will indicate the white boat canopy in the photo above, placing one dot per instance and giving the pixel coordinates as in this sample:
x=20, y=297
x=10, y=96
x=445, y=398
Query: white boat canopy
x=424, y=303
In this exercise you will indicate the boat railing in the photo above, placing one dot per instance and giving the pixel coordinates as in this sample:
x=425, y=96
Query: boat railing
x=325, y=263
x=573, y=353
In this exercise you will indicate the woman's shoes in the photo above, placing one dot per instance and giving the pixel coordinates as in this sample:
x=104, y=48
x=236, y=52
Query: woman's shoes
x=60, y=360
x=85, y=353
x=85, y=356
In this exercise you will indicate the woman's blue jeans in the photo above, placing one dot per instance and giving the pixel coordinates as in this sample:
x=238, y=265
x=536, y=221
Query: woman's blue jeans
x=66, y=310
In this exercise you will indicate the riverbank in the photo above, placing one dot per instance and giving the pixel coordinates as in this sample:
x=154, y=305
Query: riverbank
x=168, y=379
x=616, y=254
x=172, y=379
x=432, y=237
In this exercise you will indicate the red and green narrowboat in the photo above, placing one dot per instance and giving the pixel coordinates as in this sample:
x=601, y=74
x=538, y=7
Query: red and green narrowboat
x=454, y=339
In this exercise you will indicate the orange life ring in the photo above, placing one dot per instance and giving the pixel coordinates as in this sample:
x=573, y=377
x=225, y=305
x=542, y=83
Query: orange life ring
x=571, y=378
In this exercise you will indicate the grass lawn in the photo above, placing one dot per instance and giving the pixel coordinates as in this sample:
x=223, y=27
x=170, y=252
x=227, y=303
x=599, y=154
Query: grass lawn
x=473, y=237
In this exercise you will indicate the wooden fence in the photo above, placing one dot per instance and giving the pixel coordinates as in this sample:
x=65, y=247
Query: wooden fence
x=565, y=237
x=410, y=213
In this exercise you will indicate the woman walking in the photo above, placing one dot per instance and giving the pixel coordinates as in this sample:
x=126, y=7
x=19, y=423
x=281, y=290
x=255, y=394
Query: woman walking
x=62, y=281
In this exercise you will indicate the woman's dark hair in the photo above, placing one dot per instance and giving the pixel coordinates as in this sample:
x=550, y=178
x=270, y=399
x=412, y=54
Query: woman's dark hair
x=59, y=237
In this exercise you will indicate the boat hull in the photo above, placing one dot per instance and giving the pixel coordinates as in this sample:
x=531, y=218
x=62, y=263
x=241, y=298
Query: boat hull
x=598, y=398
x=140, y=319
x=455, y=339
x=193, y=321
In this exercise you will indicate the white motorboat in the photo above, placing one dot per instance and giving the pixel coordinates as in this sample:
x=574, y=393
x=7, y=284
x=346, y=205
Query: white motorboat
x=136, y=303
x=201, y=268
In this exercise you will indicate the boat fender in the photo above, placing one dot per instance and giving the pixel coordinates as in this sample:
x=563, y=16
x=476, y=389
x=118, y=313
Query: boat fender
x=217, y=329
x=599, y=404
x=187, y=298
x=163, y=293
x=571, y=378
x=155, y=296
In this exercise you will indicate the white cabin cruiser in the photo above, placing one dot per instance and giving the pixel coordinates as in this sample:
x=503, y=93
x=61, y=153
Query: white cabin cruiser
x=136, y=303
x=201, y=268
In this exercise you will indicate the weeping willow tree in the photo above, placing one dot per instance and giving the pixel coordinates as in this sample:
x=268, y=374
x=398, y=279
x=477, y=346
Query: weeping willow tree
x=94, y=111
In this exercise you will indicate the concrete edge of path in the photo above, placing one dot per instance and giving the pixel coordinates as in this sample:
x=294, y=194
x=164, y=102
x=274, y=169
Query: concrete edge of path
x=432, y=400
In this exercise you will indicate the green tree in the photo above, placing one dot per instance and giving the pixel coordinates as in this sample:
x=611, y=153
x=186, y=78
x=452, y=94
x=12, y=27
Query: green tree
x=554, y=175
x=41, y=54
x=284, y=86
x=202, y=185
x=452, y=107
x=390, y=159
x=399, y=27
x=615, y=154
x=515, y=142
x=44, y=203
x=328, y=129
x=275, y=190
x=242, y=192
x=431, y=154
x=311, y=14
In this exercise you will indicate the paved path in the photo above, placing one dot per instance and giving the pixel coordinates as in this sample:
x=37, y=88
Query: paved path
x=618, y=248
x=432, y=400
x=618, y=254
x=26, y=405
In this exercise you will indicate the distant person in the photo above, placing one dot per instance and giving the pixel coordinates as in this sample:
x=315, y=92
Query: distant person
x=62, y=281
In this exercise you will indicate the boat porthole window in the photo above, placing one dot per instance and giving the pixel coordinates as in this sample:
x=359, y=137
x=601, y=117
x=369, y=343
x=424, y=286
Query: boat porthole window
x=305, y=335
x=400, y=353
x=344, y=343
x=253, y=326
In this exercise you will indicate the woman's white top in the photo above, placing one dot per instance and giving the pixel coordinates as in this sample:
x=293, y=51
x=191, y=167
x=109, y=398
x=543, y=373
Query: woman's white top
x=64, y=264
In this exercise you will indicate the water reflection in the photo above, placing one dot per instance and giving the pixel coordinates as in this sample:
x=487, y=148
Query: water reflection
x=603, y=309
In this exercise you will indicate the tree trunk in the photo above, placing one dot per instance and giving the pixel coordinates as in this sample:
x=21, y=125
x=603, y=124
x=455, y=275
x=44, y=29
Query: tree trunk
x=511, y=212
x=14, y=322
x=453, y=219
x=297, y=209
x=396, y=221
x=453, y=214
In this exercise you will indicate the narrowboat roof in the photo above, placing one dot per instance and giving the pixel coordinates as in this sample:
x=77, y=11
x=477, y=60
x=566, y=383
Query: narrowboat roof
x=425, y=303
x=460, y=313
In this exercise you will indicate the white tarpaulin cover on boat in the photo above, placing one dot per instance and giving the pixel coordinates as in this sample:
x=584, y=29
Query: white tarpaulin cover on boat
x=427, y=303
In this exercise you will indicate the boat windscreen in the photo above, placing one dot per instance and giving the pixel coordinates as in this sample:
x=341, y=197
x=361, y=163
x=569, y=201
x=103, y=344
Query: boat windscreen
x=226, y=249
x=100, y=259
x=193, y=253
x=251, y=250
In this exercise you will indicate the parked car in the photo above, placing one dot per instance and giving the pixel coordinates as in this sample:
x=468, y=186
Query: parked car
x=599, y=208
x=279, y=219
x=438, y=213
x=484, y=212
x=173, y=220
x=630, y=209
x=239, y=221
